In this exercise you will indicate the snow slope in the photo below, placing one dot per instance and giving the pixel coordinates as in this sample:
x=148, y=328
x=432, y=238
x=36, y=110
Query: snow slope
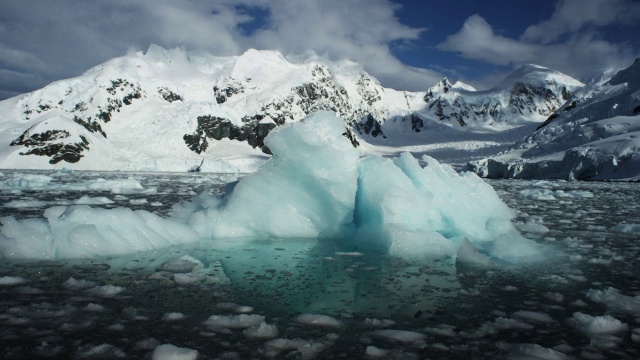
x=531, y=93
x=594, y=136
x=167, y=110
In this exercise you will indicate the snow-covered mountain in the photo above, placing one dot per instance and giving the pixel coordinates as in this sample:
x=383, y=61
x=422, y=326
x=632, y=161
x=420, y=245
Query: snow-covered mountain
x=594, y=136
x=167, y=110
x=531, y=93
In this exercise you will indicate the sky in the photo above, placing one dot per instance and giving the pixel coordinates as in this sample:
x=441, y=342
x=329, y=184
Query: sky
x=407, y=45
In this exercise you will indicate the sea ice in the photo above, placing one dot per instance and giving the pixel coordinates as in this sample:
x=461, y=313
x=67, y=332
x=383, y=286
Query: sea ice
x=614, y=300
x=172, y=352
x=318, y=320
x=401, y=336
x=12, y=280
x=262, y=331
x=597, y=325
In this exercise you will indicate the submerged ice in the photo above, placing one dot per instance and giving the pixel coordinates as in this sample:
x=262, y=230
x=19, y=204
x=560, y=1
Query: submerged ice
x=316, y=185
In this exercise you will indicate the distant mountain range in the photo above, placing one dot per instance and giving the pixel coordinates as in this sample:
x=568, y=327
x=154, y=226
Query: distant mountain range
x=167, y=110
x=595, y=135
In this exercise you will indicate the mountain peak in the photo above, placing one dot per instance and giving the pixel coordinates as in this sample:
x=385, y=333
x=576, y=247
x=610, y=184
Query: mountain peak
x=537, y=75
x=630, y=75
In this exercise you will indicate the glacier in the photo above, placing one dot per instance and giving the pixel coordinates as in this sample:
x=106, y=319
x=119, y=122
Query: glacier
x=593, y=136
x=316, y=185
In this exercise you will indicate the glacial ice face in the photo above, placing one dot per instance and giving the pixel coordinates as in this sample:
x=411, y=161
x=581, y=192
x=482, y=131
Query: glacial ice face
x=314, y=186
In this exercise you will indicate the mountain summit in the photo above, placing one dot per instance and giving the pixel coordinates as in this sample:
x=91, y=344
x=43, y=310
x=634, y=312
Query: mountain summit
x=595, y=135
x=530, y=93
x=167, y=110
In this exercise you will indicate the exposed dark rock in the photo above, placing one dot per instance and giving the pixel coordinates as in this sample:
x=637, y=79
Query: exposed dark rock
x=217, y=128
x=48, y=144
x=169, y=95
x=129, y=98
x=222, y=94
x=91, y=126
x=369, y=125
x=636, y=110
x=556, y=114
x=352, y=138
x=39, y=139
x=416, y=123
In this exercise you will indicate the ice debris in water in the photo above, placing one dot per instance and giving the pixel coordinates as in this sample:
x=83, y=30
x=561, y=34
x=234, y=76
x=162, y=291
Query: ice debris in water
x=318, y=320
x=315, y=185
x=12, y=280
x=614, y=300
x=172, y=352
x=597, y=325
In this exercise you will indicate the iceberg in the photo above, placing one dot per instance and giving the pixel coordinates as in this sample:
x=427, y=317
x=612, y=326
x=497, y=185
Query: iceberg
x=316, y=185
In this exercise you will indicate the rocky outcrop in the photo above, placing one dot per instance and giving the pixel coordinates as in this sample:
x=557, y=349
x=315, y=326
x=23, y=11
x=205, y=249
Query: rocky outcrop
x=50, y=143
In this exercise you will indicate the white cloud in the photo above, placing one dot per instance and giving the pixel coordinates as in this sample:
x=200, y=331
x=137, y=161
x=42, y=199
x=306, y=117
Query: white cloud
x=568, y=47
x=571, y=16
x=63, y=38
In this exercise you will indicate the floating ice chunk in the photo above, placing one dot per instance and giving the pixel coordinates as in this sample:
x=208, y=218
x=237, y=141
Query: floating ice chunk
x=87, y=200
x=138, y=201
x=173, y=316
x=376, y=352
x=531, y=351
x=184, y=264
x=263, y=331
x=115, y=186
x=28, y=181
x=533, y=227
x=468, y=255
x=12, y=280
x=614, y=300
x=74, y=284
x=596, y=325
x=172, y=352
x=318, y=320
x=402, y=336
x=81, y=231
x=441, y=330
x=581, y=193
x=627, y=228
x=241, y=321
x=22, y=204
x=104, y=351
x=147, y=344
x=106, y=291
x=538, y=194
x=533, y=316
x=305, y=190
x=379, y=323
x=557, y=297
x=286, y=344
x=235, y=307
